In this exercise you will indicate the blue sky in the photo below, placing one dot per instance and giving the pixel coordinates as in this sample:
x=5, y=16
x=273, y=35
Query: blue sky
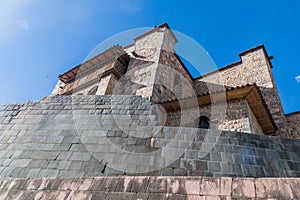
x=41, y=39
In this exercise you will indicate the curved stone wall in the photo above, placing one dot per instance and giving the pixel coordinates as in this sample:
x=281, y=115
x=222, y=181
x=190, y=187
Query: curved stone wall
x=44, y=139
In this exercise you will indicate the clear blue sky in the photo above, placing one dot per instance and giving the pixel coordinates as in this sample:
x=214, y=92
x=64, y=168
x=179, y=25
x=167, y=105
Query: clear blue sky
x=41, y=39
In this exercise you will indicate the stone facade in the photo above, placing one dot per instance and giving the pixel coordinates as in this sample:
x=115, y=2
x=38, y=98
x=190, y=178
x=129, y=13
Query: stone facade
x=254, y=67
x=239, y=117
x=143, y=68
x=149, y=67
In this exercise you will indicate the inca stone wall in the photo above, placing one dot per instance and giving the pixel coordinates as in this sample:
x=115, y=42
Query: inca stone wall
x=87, y=136
x=150, y=188
x=254, y=67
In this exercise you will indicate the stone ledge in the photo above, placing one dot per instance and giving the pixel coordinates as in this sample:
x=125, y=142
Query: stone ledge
x=150, y=187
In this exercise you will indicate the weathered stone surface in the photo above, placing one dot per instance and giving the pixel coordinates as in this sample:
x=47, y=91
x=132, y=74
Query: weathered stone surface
x=277, y=188
x=293, y=124
x=243, y=188
x=157, y=185
x=182, y=188
x=226, y=186
x=210, y=186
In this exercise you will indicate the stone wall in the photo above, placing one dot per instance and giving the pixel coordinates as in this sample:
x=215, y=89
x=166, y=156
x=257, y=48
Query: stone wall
x=143, y=64
x=81, y=83
x=254, y=124
x=239, y=117
x=150, y=188
x=86, y=90
x=76, y=136
x=293, y=121
x=151, y=53
x=170, y=84
x=254, y=67
x=159, y=37
x=169, y=59
x=141, y=73
x=103, y=84
x=107, y=84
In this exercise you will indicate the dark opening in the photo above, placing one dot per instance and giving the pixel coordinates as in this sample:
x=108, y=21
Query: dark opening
x=203, y=122
x=104, y=167
x=93, y=91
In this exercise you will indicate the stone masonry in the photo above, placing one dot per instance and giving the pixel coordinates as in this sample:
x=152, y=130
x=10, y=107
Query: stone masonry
x=150, y=67
x=75, y=136
x=150, y=188
x=293, y=121
x=254, y=67
x=239, y=117
x=125, y=124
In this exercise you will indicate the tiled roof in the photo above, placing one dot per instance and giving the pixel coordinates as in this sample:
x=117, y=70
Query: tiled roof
x=94, y=63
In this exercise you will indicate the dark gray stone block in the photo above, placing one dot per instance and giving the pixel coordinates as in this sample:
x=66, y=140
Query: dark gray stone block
x=201, y=165
x=214, y=166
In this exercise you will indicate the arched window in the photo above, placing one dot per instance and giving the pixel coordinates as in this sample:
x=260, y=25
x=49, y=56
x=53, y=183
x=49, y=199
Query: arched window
x=93, y=90
x=203, y=122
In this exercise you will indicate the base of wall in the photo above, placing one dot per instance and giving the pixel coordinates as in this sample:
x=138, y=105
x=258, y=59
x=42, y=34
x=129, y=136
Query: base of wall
x=145, y=187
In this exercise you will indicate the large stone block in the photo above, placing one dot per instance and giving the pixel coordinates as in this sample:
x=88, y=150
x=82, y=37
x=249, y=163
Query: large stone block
x=281, y=188
x=243, y=188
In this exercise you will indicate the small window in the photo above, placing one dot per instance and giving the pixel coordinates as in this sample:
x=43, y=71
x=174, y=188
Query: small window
x=203, y=122
x=93, y=91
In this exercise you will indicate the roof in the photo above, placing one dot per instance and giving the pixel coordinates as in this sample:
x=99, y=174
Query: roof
x=92, y=64
x=293, y=113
